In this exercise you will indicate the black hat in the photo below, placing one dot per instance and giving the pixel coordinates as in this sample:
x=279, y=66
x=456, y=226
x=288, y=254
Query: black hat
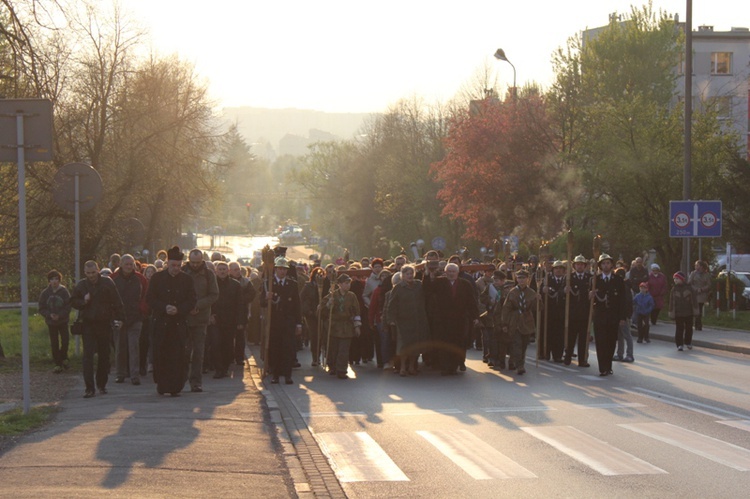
x=342, y=278
x=174, y=253
x=280, y=251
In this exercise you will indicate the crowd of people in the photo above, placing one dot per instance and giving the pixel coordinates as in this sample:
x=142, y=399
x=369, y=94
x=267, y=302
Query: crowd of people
x=180, y=320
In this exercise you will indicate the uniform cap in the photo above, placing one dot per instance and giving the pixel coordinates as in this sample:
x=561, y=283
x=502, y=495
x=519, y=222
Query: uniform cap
x=281, y=262
x=580, y=259
x=605, y=256
x=558, y=263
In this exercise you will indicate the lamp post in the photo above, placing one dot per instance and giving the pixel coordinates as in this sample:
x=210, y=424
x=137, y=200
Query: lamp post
x=500, y=55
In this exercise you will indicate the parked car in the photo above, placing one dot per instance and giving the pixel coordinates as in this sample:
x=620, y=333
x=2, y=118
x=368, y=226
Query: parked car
x=738, y=279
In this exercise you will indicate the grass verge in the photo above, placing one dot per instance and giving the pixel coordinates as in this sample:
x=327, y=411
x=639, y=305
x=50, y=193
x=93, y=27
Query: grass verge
x=15, y=422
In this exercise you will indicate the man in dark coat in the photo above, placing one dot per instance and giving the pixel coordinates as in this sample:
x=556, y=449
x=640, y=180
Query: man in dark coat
x=456, y=309
x=101, y=310
x=229, y=315
x=286, y=321
x=171, y=296
x=554, y=288
x=580, y=281
x=609, y=312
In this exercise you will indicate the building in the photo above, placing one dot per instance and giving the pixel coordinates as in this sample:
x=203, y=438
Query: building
x=721, y=75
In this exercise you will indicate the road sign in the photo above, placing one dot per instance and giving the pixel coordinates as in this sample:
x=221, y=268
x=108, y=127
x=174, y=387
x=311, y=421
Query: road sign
x=439, y=243
x=695, y=219
x=89, y=187
x=37, y=124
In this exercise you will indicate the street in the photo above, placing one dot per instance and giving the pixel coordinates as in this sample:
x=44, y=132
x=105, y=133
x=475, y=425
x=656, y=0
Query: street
x=671, y=424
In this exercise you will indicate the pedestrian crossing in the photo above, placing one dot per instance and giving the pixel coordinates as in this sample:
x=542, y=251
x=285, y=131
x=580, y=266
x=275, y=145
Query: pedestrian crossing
x=357, y=457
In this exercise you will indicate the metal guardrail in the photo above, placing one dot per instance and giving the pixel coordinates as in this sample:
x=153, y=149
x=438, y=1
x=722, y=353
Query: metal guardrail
x=11, y=306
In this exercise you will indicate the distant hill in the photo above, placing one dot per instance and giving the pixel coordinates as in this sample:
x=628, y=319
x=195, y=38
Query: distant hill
x=274, y=132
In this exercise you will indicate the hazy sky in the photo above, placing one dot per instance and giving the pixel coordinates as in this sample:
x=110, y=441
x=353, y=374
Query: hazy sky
x=357, y=56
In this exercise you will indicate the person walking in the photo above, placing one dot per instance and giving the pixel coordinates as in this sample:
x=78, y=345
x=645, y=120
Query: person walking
x=657, y=287
x=171, y=296
x=700, y=282
x=643, y=304
x=342, y=308
x=518, y=319
x=132, y=287
x=610, y=312
x=286, y=321
x=54, y=306
x=407, y=313
x=206, y=293
x=101, y=310
x=682, y=307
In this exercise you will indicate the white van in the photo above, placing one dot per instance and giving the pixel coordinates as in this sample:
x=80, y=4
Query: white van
x=740, y=263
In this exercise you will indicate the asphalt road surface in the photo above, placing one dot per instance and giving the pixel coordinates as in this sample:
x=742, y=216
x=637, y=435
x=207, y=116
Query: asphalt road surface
x=672, y=424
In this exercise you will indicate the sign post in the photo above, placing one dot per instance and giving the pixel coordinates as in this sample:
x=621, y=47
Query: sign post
x=33, y=119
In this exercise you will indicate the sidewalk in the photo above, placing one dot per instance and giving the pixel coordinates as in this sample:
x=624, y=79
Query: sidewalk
x=716, y=339
x=132, y=442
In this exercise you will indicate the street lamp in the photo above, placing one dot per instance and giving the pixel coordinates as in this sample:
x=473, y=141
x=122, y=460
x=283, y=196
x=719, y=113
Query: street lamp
x=500, y=55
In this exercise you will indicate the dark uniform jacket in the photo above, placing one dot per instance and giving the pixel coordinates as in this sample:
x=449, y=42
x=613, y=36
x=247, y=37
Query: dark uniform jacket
x=579, y=294
x=285, y=306
x=611, y=297
x=105, y=304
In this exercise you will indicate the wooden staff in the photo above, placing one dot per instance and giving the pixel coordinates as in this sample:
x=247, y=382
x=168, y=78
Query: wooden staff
x=334, y=288
x=320, y=279
x=268, y=257
x=568, y=270
x=545, y=348
x=597, y=253
x=538, y=275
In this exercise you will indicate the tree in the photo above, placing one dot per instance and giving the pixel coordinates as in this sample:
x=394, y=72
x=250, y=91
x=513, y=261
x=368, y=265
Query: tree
x=497, y=169
x=617, y=108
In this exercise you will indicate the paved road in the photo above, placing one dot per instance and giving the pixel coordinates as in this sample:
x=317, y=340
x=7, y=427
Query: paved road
x=671, y=424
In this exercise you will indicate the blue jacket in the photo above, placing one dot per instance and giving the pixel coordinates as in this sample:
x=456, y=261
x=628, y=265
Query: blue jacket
x=643, y=304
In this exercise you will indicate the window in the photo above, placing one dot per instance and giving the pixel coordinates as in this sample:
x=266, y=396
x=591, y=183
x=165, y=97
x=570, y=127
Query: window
x=721, y=105
x=721, y=63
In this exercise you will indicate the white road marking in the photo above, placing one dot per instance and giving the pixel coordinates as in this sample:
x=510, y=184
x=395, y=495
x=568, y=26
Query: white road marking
x=536, y=408
x=742, y=424
x=356, y=457
x=473, y=455
x=425, y=412
x=594, y=453
x=716, y=450
x=613, y=405
x=340, y=414
x=683, y=403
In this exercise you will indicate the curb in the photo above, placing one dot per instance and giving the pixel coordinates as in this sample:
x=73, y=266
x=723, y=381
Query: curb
x=704, y=344
x=309, y=468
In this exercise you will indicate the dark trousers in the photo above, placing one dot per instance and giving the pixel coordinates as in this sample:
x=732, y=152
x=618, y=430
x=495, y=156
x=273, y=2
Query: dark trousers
x=577, y=332
x=452, y=343
x=644, y=326
x=222, y=347
x=97, y=339
x=144, y=357
x=606, y=328
x=282, y=348
x=239, y=345
x=655, y=315
x=59, y=339
x=683, y=331
x=556, y=334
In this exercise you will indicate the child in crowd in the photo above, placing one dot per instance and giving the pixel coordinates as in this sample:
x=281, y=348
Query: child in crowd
x=643, y=304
